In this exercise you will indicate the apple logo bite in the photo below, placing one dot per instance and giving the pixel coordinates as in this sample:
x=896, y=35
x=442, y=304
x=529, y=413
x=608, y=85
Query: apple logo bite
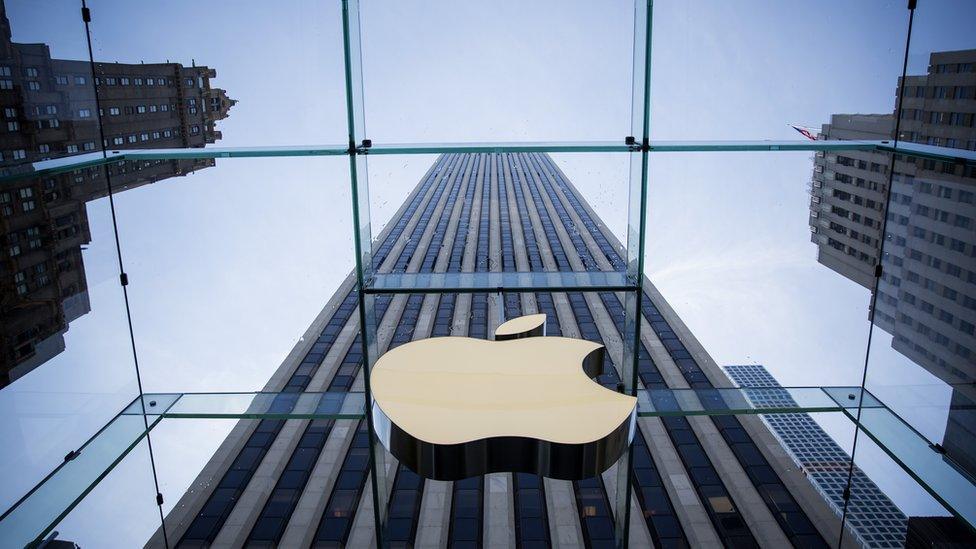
x=454, y=407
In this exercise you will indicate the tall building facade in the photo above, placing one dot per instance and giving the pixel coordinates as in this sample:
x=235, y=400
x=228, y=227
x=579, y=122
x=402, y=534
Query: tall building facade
x=48, y=109
x=698, y=481
x=847, y=193
x=874, y=519
x=927, y=292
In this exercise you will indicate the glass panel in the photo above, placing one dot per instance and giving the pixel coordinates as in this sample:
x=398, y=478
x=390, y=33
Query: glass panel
x=886, y=501
x=36, y=514
x=485, y=221
x=730, y=260
x=514, y=72
x=232, y=264
x=66, y=368
x=754, y=83
x=924, y=342
x=246, y=268
x=66, y=341
x=287, y=89
x=131, y=482
x=943, y=479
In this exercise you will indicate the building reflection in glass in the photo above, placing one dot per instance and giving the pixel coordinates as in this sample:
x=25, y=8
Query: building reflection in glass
x=51, y=108
x=926, y=296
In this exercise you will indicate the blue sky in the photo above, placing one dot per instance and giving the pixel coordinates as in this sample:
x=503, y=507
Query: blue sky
x=228, y=266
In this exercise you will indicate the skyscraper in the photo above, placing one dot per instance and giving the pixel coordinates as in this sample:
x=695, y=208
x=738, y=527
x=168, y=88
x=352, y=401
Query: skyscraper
x=927, y=290
x=874, y=519
x=48, y=109
x=847, y=197
x=698, y=481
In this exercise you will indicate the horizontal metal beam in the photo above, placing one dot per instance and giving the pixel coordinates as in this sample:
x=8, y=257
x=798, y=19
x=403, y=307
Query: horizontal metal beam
x=71, y=163
x=439, y=283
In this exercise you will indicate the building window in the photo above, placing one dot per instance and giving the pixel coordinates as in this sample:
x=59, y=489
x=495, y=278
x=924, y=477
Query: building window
x=71, y=149
x=194, y=129
x=6, y=84
x=153, y=108
x=164, y=108
x=4, y=71
x=27, y=205
x=10, y=112
x=111, y=81
x=144, y=137
x=51, y=109
x=966, y=327
x=124, y=81
x=132, y=138
x=150, y=81
x=189, y=82
x=44, y=148
x=14, y=250
x=155, y=135
x=118, y=140
x=128, y=110
x=114, y=111
x=193, y=110
x=167, y=133
x=31, y=72
x=80, y=80
x=20, y=277
x=33, y=85
x=19, y=154
x=34, y=242
x=89, y=146
x=84, y=113
x=13, y=126
x=61, y=80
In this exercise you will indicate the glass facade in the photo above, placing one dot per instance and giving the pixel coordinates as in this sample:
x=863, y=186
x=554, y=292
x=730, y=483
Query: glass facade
x=192, y=310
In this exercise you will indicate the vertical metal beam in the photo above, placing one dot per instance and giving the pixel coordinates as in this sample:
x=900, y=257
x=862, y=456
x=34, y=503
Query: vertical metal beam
x=636, y=223
x=362, y=239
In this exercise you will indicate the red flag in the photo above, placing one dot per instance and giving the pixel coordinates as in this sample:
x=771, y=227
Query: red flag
x=805, y=132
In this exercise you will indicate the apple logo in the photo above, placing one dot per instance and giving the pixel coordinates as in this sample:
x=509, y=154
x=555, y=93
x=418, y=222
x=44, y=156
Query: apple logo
x=454, y=407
